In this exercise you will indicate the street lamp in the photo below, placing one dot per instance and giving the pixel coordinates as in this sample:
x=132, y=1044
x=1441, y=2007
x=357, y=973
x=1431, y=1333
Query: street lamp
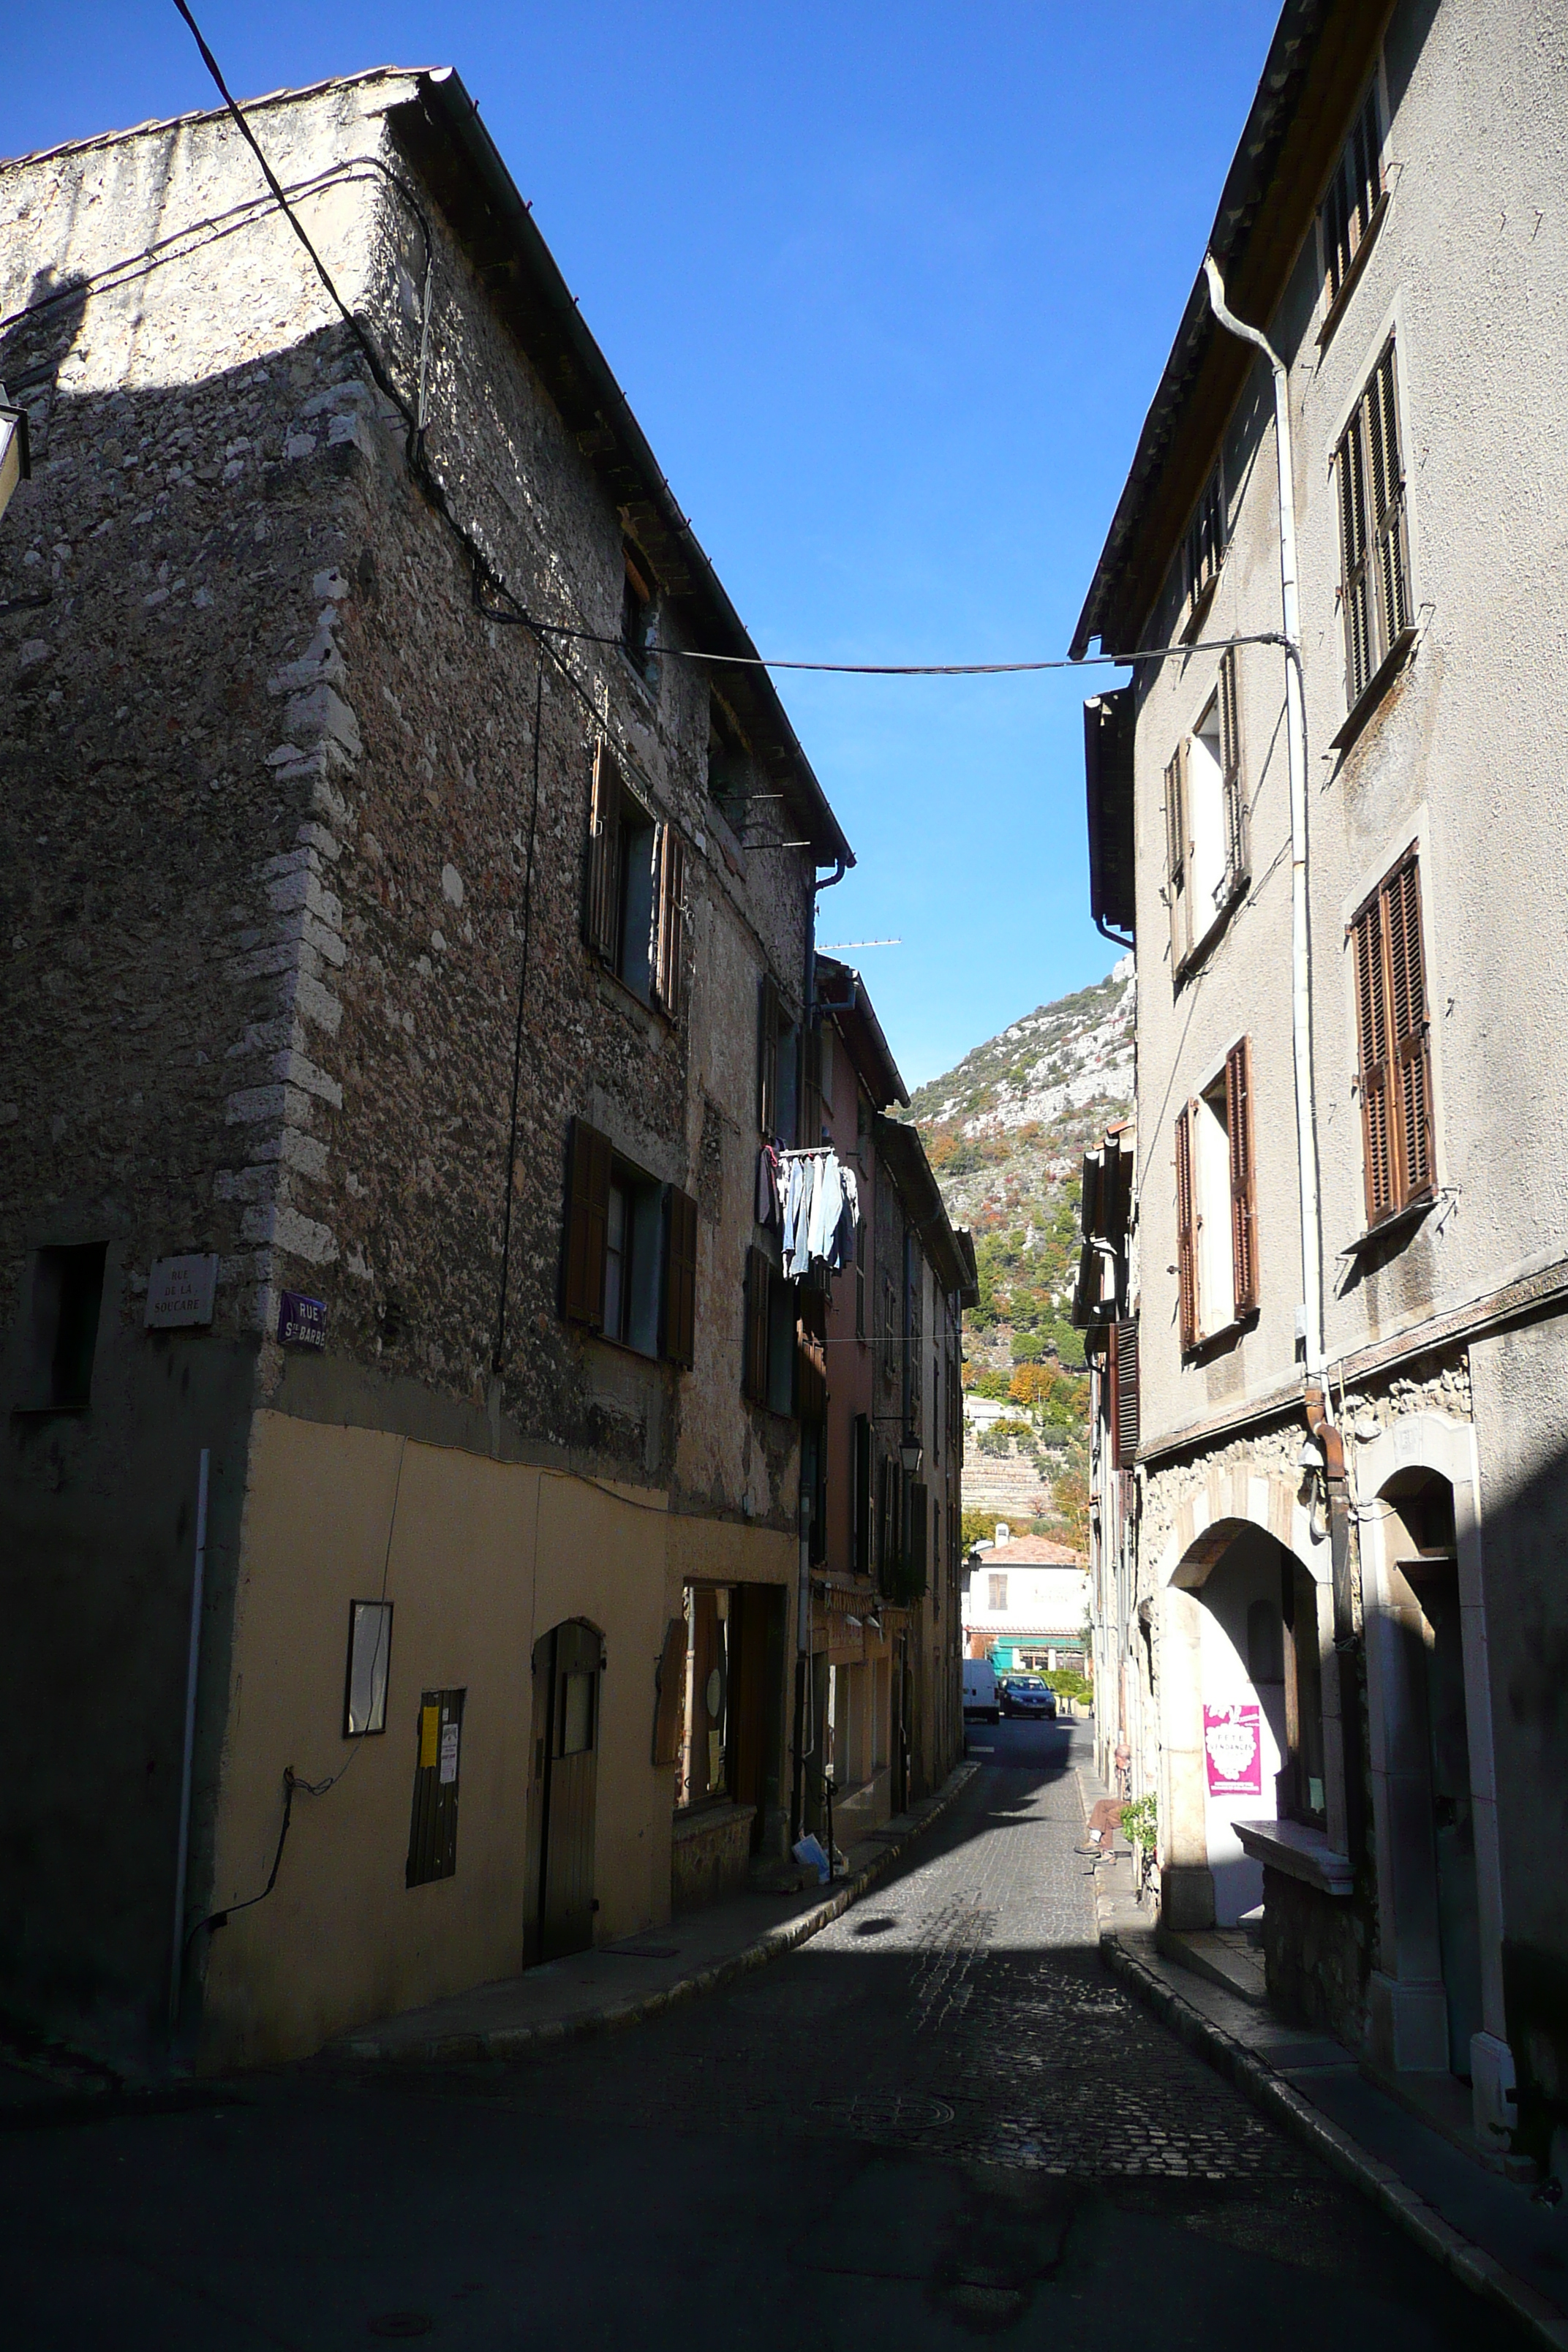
x=14, y=465
x=911, y=1454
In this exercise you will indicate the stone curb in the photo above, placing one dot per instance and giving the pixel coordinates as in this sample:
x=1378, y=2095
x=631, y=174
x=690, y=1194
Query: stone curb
x=1266, y=2089
x=524, y=2041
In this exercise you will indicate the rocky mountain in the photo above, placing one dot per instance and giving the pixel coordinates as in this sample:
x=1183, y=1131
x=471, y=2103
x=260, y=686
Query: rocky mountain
x=1006, y=1133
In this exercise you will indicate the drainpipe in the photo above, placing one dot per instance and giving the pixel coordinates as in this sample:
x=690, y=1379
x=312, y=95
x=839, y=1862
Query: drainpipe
x=187, y=1754
x=1319, y=1417
x=1295, y=751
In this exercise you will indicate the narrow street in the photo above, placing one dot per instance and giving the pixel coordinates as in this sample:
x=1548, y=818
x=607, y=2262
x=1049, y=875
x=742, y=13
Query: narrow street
x=938, y=2120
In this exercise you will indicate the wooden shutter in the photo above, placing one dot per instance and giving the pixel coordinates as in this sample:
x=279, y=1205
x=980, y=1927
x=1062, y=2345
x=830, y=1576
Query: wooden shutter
x=669, y=1693
x=861, y=1527
x=1234, y=790
x=1242, y=1176
x=680, y=1279
x=603, y=906
x=1123, y=1366
x=1401, y=901
x=918, y=1536
x=1178, y=856
x=670, y=925
x=1186, y=1230
x=1371, y=1042
x=767, y=1056
x=588, y=1222
x=1350, y=468
x=754, y=1367
x=1387, y=474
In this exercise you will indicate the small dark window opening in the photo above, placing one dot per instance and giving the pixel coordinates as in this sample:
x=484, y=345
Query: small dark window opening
x=636, y=614
x=634, y=1243
x=1203, y=549
x=728, y=769
x=68, y=1292
x=1354, y=193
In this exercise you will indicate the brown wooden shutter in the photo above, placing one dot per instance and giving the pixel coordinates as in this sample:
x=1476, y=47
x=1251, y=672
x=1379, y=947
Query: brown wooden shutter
x=1236, y=864
x=681, y=1280
x=1372, y=1039
x=1350, y=467
x=669, y=935
x=1400, y=896
x=669, y=1693
x=603, y=907
x=755, y=1368
x=1387, y=472
x=1123, y=1358
x=1186, y=1230
x=1242, y=1176
x=587, y=1221
x=767, y=1056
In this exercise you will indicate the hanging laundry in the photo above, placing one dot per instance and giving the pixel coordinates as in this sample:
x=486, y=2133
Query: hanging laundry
x=770, y=1211
x=849, y=1220
x=797, y=1257
x=826, y=1208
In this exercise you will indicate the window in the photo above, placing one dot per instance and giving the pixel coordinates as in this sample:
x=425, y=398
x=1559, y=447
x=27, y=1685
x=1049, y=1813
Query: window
x=637, y=612
x=861, y=1524
x=1216, y=1214
x=778, y=1066
x=996, y=1593
x=1350, y=207
x=1394, y=1078
x=629, y=1254
x=1121, y=1401
x=1375, y=567
x=370, y=1655
x=1205, y=823
x=861, y=1277
x=636, y=912
x=68, y=1292
x=1203, y=551
x=769, y=1365
x=729, y=770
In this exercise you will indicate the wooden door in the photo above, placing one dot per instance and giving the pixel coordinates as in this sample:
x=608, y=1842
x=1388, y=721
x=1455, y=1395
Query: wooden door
x=567, y=1667
x=1453, y=1813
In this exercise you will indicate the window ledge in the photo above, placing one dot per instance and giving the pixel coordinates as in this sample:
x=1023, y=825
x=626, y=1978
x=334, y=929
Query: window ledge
x=1398, y=1222
x=650, y=1015
x=1298, y=1852
x=1226, y=1336
x=1376, y=687
x=1341, y=303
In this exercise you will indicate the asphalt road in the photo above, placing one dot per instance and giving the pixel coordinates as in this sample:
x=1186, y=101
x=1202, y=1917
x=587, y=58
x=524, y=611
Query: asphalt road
x=939, y=2120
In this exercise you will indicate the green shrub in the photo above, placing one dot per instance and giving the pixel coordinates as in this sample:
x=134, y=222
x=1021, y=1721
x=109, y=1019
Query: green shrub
x=1139, y=1822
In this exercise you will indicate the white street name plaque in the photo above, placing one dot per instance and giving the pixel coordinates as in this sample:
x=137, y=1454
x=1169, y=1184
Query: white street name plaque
x=180, y=1293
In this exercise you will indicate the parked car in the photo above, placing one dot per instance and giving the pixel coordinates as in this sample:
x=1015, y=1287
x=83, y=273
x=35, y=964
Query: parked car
x=980, y=1689
x=1026, y=1695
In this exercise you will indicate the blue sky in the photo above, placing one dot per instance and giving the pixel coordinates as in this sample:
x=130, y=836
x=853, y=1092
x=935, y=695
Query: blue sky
x=889, y=290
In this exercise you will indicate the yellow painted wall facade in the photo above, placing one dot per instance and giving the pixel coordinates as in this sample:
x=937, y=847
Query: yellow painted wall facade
x=478, y=1560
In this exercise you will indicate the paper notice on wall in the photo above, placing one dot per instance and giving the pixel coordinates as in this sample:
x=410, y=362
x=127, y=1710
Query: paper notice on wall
x=448, y=1772
x=1233, y=1748
x=430, y=1730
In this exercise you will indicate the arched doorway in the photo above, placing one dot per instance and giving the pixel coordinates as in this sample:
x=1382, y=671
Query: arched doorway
x=559, y=1919
x=1429, y=1804
x=1243, y=1714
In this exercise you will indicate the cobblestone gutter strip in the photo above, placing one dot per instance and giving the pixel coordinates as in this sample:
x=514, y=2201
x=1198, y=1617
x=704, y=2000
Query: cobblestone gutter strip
x=523, y=2040
x=1267, y=2089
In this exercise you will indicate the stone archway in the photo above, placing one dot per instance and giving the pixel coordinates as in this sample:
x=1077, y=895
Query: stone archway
x=1227, y=1515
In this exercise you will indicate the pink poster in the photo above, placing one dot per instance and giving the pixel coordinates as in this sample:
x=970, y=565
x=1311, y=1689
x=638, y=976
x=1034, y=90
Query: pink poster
x=1233, y=1743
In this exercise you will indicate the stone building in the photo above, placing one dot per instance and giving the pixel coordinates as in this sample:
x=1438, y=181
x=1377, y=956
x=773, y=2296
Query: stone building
x=1346, y=1270
x=391, y=891
x=1024, y=1602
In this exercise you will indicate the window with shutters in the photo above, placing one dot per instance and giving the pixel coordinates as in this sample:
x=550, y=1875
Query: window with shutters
x=629, y=1251
x=1393, y=1045
x=635, y=914
x=1216, y=1209
x=1121, y=1372
x=996, y=1593
x=637, y=613
x=770, y=1350
x=778, y=1066
x=1203, y=551
x=1374, y=563
x=1354, y=207
x=1206, y=849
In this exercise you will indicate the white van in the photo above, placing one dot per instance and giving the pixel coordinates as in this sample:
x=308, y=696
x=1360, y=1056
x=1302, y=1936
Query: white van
x=980, y=1689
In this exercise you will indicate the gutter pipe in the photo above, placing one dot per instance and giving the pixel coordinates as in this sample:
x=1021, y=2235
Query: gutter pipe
x=193, y=1664
x=1296, y=748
